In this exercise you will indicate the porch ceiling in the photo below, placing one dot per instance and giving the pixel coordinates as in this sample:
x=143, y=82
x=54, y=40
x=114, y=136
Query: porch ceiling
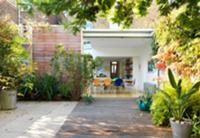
x=118, y=38
x=127, y=33
x=119, y=42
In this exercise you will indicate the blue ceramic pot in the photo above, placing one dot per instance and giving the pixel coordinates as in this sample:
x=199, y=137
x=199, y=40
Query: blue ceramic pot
x=144, y=106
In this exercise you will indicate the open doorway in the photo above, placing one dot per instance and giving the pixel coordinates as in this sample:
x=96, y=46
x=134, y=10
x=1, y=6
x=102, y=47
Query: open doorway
x=114, y=69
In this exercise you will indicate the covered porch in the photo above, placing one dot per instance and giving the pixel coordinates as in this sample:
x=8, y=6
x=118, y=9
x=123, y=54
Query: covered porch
x=125, y=53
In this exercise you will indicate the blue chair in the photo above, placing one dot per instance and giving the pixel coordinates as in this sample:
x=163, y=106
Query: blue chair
x=118, y=82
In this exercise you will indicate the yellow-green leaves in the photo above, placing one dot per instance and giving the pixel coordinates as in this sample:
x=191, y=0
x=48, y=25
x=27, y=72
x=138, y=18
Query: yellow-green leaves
x=179, y=32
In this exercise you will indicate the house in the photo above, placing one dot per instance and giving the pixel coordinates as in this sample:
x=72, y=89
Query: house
x=126, y=53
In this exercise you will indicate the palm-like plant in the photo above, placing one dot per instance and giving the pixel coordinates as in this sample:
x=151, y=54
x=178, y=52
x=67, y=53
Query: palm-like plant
x=179, y=104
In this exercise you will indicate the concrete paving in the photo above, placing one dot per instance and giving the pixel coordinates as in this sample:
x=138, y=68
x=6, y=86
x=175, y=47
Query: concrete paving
x=34, y=119
x=110, y=118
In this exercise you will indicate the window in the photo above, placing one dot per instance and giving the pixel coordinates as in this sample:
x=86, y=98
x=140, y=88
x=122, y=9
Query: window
x=87, y=45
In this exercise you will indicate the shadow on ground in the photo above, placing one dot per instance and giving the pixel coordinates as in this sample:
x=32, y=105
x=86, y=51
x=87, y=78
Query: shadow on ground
x=111, y=118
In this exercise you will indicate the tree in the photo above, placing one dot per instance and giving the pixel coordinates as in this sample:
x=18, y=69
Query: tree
x=121, y=12
x=178, y=37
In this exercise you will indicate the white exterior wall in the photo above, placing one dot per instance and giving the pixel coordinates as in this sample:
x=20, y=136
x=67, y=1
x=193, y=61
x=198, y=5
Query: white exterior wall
x=122, y=44
x=140, y=54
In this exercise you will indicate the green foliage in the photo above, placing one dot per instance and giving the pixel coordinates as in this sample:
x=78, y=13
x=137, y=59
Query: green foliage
x=73, y=71
x=88, y=99
x=26, y=85
x=123, y=13
x=71, y=75
x=12, y=54
x=6, y=83
x=159, y=110
x=81, y=11
x=26, y=81
x=46, y=87
x=146, y=98
x=176, y=100
x=144, y=102
x=178, y=38
x=179, y=104
x=120, y=11
x=65, y=89
x=196, y=127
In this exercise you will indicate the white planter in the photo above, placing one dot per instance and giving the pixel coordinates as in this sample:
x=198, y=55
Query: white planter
x=181, y=129
x=8, y=99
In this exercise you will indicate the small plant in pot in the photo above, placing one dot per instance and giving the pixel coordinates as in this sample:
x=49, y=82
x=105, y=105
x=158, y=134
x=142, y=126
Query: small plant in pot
x=12, y=59
x=88, y=99
x=144, y=102
x=8, y=94
x=181, y=126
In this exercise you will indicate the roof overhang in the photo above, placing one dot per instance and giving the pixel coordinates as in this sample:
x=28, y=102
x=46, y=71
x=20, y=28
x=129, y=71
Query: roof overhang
x=109, y=33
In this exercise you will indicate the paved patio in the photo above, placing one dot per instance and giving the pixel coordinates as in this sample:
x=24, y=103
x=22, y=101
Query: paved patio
x=34, y=119
x=110, y=118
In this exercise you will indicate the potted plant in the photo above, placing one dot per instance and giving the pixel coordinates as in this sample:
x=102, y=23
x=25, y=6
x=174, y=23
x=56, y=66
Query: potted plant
x=181, y=126
x=8, y=94
x=12, y=61
x=144, y=102
x=87, y=98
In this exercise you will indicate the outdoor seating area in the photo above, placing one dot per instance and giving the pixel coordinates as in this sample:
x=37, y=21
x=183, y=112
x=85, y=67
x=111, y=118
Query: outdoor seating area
x=99, y=69
x=108, y=85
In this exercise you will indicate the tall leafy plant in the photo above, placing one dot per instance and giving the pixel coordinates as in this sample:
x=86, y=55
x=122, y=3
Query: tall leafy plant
x=73, y=70
x=45, y=87
x=26, y=81
x=196, y=126
x=12, y=54
x=177, y=36
x=180, y=103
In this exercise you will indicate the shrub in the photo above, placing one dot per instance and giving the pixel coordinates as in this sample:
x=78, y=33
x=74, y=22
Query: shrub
x=26, y=85
x=177, y=38
x=45, y=87
x=179, y=103
x=196, y=126
x=73, y=70
x=160, y=110
x=6, y=83
x=12, y=54
x=65, y=89
x=26, y=82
